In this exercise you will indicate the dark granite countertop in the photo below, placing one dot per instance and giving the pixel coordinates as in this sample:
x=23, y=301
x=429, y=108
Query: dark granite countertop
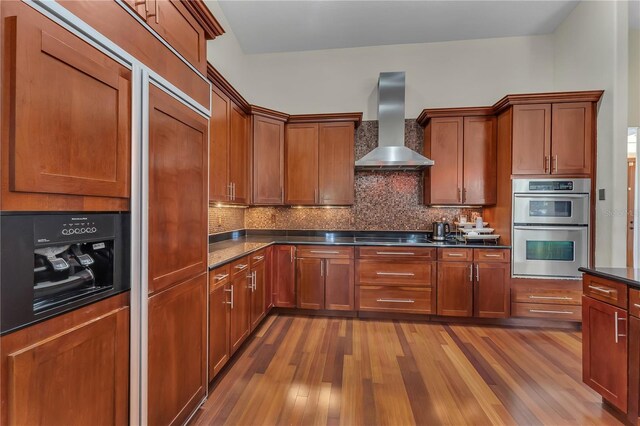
x=629, y=276
x=228, y=250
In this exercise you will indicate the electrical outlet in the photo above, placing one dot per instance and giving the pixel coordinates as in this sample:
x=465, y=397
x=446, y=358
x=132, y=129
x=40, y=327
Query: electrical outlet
x=601, y=194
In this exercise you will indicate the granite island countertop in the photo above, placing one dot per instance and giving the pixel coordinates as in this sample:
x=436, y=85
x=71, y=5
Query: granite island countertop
x=229, y=250
x=628, y=276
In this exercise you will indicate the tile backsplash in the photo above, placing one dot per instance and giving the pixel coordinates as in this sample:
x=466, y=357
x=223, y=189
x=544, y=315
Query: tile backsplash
x=383, y=200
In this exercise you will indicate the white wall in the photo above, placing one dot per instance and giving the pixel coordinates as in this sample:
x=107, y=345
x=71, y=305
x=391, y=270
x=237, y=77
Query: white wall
x=448, y=74
x=591, y=51
x=634, y=78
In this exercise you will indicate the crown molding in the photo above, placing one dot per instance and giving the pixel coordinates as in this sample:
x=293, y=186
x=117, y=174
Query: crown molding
x=268, y=113
x=545, y=98
x=205, y=18
x=428, y=114
x=355, y=117
x=221, y=83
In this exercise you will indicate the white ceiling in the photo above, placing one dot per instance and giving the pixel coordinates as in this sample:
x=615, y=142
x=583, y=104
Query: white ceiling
x=282, y=26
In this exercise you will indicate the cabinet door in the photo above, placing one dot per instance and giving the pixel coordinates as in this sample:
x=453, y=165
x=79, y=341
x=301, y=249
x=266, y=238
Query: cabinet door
x=480, y=161
x=301, y=164
x=604, y=350
x=336, y=163
x=219, y=315
x=339, y=284
x=174, y=23
x=177, y=351
x=219, y=147
x=268, y=161
x=240, y=311
x=455, y=289
x=531, y=152
x=572, y=138
x=444, y=145
x=268, y=288
x=177, y=217
x=77, y=377
x=284, y=276
x=257, y=294
x=310, y=283
x=492, y=290
x=68, y=120
x=239, y=155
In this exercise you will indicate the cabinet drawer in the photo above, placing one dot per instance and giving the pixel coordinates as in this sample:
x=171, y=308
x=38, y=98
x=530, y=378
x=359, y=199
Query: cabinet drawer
x=219, y=277
x=491, y=255
x=455, y=254
x=325, y=252
x=395, y=299
x=257, y=257
x=605, y=290
x=388, y=272
x=240, y=266
x=547, y=311
x=634, y=302
x=549, y=296
x=423, y=253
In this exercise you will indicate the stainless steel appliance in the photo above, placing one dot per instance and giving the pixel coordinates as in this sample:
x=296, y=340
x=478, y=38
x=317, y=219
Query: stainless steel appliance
x=53, y=263
x=440, y=231
x=551, y=219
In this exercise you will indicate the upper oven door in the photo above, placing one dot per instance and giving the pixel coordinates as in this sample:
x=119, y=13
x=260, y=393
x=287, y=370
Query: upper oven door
x=565, y=209
x=550, y=251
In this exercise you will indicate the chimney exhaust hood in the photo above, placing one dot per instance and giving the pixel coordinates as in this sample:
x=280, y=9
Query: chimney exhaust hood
x=391, y=154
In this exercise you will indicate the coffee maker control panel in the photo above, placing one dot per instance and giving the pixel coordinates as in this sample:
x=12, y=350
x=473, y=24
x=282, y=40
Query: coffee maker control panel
x=67, y=228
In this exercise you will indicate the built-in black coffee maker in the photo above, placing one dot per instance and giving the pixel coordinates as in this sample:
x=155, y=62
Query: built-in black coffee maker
x=53, y=263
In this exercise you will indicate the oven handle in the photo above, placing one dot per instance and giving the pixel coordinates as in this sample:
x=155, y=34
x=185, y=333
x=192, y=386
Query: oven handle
x=551, y=228
x=553, y=196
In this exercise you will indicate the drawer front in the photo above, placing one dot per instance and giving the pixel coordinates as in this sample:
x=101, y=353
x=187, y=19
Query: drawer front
x=405, y=253
x=492, y=255
x=240, y=266
x=396, y=273
x=605, y=290
x=634, y=302
x=219, y=277
x=549, y=296
x=455, y=254
x=395, y=299
x=258, y=257
x=547, y=311
x=325, y=252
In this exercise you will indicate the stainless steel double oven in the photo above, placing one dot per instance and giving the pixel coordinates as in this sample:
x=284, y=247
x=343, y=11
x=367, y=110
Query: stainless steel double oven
x=551, y=220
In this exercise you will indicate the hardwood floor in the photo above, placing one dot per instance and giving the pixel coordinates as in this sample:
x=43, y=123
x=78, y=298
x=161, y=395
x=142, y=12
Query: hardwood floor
x=314, y=370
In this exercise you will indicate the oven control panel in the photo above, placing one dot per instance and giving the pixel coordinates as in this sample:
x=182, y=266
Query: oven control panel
x=62, y=229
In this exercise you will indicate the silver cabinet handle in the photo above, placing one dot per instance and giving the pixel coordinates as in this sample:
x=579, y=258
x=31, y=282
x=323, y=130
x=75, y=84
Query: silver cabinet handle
x=547, y=163
x=322, y=268
x=315, y=195
x=324, y=251
x=396, y=300
x=636, y=305
x=230, y=291
x=603, y=290
x=258, y=257
x=551, y=297
x=396, y=253
x=555, y=157
x=220, y=277
x=230, y=191
x=291, y=251
x=396, y=274
x=471, y=272
x=455, y=254
x=616, y=319
x=250, y=278
x=542, y=311
x=254, y=281
x=241, y=267
x=492, y=255
x=477, y=272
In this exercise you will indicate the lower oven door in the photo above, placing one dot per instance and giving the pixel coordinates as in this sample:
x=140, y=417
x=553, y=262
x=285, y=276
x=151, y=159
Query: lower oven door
x=550, y=251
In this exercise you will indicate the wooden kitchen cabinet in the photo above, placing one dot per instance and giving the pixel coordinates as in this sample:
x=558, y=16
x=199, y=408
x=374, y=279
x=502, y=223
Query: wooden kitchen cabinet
x=455, y=289
x=604, y=350
x=336, y=163
x=240, y=309
x=491, y=291
x=464, y=151
x=72, y=369
x=531, y=139
x=219, y=319
x=239, y=155
x=67, y=127
x=310, y=283
x=268, y=158
x=177, y=366
x=284, y=276
x=258, y=287
x=177, y=160
x=301, y=160
x=339, y=285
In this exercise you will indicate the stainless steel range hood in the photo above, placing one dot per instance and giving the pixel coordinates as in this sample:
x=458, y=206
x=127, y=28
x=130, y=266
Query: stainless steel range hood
x=391, y=154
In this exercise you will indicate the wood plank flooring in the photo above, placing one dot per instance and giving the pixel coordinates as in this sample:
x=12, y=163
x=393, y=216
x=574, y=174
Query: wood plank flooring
x=329, y=371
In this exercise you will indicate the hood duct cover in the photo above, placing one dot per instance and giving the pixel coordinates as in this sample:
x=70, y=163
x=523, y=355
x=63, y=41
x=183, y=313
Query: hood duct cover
x=391, y=154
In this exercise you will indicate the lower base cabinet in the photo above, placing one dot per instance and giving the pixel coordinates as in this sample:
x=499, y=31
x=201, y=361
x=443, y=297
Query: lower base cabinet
x=283, y=276
x=455, y=289
x=219, y=319
x=239, y=322
x=339, y=285
x=546, y=299
x=410, y=300
x=491, y=290
x=177, y=351
x=49, y=370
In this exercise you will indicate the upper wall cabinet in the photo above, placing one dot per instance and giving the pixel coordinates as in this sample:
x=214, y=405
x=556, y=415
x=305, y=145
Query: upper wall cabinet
x=462, y=142
x=176, y=22
x=66, y=126
x=553, y=134
x=229, y=144
x=319, y=159
x=267, y=156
